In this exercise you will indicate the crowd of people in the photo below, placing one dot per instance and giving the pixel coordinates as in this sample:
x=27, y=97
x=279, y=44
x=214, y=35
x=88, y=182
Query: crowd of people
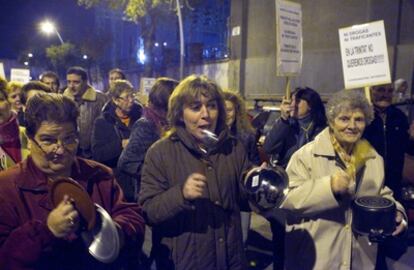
x=177, y=165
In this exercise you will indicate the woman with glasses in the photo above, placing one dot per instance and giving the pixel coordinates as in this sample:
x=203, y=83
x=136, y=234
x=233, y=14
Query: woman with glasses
x=34, y=234
x=112, y=128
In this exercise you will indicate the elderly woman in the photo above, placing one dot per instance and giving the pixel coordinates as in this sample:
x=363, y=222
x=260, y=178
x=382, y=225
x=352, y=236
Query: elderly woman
x=112, y=128
x=190, y=188
x=34, y=234
x=324, y=178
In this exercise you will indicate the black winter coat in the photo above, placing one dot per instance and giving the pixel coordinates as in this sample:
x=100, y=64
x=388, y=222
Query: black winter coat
x=390, y=139
x=108, y=133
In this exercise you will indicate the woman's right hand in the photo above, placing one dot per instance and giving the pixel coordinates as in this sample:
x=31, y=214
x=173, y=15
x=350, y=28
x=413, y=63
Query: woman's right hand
x=340, y=182
x=194, y=186
x=285, y=108
x=64, y=219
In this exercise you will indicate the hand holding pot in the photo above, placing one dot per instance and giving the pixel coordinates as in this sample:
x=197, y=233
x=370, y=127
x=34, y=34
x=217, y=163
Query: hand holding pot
x=401, y=224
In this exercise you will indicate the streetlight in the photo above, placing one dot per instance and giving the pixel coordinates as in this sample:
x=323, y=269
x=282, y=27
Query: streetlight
x=48, y=28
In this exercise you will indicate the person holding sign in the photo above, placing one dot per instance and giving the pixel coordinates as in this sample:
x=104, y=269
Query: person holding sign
x=326, y=176
x=302, y=118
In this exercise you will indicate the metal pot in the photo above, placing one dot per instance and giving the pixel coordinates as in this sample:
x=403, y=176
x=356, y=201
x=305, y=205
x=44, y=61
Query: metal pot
x=103, y=241
x=373, y=216
x=267, y=187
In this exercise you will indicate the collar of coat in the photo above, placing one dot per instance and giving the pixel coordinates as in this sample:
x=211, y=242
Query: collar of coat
x=89, y=95
x=324, y=147
x=32, y=178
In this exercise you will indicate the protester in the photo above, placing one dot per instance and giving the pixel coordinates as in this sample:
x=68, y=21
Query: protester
x=302, y=118
x=14, y=92
x=324, y=178
x=113, y=75
x=13, y=141
x=90, y=103
x=29, y=90
x=190, y=189
x=238, y=123
x=390, y=125
x=144, y=133
x=51, y=79
x=33, y=233
x=112, y=128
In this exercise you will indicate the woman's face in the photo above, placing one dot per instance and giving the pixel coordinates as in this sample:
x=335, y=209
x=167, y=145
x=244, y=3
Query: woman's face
x=125, y=101
x=230, y=113
x=14, y=99
x=201, y=114
x=54, y=147
x=299, y=108
x=348, y=126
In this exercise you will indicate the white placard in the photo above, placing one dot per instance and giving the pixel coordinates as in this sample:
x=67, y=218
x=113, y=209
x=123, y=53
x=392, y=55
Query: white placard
x=20, y=75
x=2, y=73
x=288, y=38
x=146, y=85
x=235, y=31
x=364, y=55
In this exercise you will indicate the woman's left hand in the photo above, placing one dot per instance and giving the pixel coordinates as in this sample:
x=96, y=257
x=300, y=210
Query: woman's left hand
x=401, y=224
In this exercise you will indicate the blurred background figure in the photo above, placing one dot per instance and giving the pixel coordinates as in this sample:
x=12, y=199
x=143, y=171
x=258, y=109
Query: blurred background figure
x=113, y=75
x=324, y=177
x=14, y=92
x=144, y=133
x=401, y=92
x=51, y=79
x=239, y=125
x=302, y=118
x=90, y=103
x=389, y=127
x=29, y=90
x=13, y=140
x=112, y=128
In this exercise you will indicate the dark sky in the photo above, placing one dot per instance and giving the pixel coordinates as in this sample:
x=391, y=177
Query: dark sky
x=19, y=20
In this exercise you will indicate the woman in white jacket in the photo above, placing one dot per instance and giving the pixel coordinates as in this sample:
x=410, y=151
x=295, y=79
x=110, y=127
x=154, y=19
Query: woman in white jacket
x=324, y=177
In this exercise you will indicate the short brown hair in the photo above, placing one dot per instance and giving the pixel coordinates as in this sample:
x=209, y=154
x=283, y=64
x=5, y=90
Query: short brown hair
x=50, y=107
x=34, y=85
x=118, y=87
x=161, y=92
x=189, y=90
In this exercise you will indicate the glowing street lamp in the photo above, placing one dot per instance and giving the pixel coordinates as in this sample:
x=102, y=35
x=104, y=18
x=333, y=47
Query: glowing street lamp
x=48, y=28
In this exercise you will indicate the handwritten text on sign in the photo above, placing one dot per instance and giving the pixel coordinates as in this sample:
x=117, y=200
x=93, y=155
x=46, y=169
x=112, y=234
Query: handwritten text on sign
x=364, y=55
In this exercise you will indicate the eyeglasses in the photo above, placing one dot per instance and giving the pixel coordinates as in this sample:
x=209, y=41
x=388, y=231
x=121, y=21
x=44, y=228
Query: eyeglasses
x=52, y=145
x=127, y=98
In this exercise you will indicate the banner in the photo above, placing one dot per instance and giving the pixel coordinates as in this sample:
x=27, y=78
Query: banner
x=364, y=55
x=289, y=46
x=20, y=75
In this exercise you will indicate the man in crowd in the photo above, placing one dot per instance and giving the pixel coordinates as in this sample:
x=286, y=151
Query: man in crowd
x=51, y=79
x=90, y=103
x=390, y=135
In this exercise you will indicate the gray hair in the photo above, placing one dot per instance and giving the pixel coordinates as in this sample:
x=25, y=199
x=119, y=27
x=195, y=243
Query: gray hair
x=349, y=100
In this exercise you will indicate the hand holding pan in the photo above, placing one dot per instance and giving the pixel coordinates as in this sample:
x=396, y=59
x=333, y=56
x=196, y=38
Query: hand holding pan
x=81, y=200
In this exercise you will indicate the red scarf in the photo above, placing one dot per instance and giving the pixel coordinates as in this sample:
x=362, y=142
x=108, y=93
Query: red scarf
x=10, y=139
